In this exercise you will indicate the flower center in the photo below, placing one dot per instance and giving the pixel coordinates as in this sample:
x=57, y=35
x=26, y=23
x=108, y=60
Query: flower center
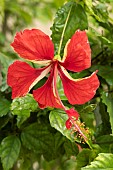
x=57, y=57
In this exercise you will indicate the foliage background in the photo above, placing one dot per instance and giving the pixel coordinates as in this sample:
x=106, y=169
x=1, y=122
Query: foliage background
x=37, y=139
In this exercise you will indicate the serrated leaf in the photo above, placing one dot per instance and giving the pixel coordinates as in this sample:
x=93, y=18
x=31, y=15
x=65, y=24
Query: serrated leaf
x=104, y=161
x=38, y=138
x=22, y=107
x=108, y=101
x=9, y=152
x=68, y=19
x=4, y=106
x=57, y=120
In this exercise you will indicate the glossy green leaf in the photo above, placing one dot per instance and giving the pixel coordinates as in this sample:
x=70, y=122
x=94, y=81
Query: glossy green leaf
x=68, y=19
x=108, y=101
x=9, y=152
x=4, y=106
x=104, y=161
x=57, y=120
x=22, y=107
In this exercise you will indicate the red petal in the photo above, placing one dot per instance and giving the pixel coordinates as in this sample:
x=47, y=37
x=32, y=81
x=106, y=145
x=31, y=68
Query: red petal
x=33, y=45
x=79, y=91
x=22, y=77
x=68, y=124
x=72, y=113
x=46, y=95
x=77, y=53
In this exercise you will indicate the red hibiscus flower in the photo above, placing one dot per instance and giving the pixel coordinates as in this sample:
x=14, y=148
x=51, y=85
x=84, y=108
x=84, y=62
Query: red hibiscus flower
x=35, y=46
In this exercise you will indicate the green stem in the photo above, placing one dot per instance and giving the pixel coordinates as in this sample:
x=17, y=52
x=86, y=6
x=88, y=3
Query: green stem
x=62, y=36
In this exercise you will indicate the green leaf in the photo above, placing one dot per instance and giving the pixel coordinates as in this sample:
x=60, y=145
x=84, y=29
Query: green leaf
x=5, y=61
x=22, y=107
x=57, y=120
x=3, y=121
x=108, y=101
x=90, y=118
x=68, y=19
x=105, y=142
x=37, y=138
x=104, y=139
x=83, y=158
x=105, y=72
x=71, y=148
x=9, y=152
x=4, y=106
x=104, y=161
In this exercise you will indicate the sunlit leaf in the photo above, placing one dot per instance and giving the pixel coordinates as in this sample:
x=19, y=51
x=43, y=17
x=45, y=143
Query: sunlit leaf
x=104, y=161
x=57, y=120
x=22, y=107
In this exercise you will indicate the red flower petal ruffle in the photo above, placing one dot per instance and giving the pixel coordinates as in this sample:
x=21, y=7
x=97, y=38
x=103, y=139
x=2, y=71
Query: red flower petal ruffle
x=79, y=91
x=33, y=45
x=46, y=95
x=22, y=77
x=77, y=53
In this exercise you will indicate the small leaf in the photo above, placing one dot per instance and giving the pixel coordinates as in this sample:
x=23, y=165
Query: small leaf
x=9, y=152
x=4, y=106
x=71, y=148
x=22, y=107
x=3, y=121
x=108, y=101
x=104, y=161
x=83, y=158
x=68, y=19
x=57, y=120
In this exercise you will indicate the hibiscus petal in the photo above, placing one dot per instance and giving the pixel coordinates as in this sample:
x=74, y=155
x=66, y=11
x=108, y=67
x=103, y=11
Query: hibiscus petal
x=22, y=77
x=33, y=45
x=46, y=95
x=72, y=113
x=77, y=53
x=79, y=91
